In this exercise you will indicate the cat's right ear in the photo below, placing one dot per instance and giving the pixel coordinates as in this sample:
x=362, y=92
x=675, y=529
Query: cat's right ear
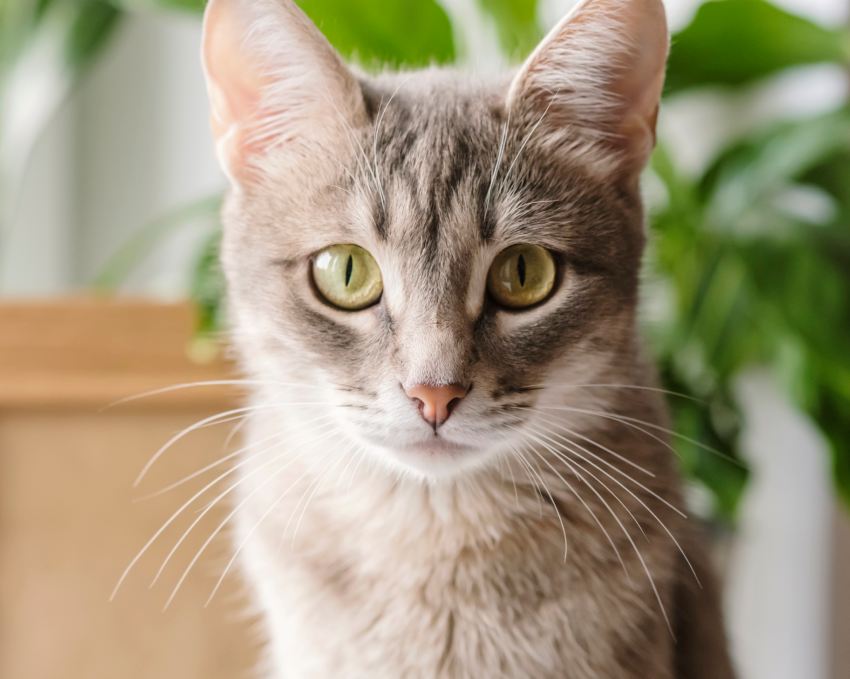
x=274, y=82
x=591, y=89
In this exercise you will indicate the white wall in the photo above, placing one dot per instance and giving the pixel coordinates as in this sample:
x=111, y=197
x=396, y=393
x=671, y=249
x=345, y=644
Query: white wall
x=131, y=145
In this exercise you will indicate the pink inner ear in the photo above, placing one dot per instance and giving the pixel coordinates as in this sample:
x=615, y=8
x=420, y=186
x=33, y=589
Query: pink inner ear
x=607, y=59
x=235, y=84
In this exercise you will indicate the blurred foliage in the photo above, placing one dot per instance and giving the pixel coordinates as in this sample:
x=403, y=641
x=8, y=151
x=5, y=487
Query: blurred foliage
x=146, y=240
x=750, y=260
x=733, y=42
x=516, y=22
x=410, y=33
x=47, y=44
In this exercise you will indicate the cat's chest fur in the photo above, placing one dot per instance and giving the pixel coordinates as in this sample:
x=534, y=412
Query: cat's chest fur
x=387, y=579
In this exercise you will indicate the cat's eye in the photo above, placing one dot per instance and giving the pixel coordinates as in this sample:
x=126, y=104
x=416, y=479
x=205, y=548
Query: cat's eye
x=348, y=277
x=521, y=276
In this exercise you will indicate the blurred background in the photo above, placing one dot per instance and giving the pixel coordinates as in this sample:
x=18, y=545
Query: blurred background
x=109, y=193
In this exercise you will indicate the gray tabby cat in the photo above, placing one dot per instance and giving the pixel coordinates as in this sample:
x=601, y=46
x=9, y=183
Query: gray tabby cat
x=458, y=466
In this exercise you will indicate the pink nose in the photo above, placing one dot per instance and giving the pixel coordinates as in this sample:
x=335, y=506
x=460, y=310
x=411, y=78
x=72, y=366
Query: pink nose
x=436, y=402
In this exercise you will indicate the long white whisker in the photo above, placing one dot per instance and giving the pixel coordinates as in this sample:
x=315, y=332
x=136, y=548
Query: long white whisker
x=647, y=508
x=245, y=542
x=527, y=468
x=175, y=516
x=551, y=420
x=635, y=423
x=351, y=467
x=569, y=462
x=554, y=504
x=640, y=485
x=640, y=500
x=205, y=383
x=361, y=455
x=272, y=477
x=236, y=453
x=629, y=538
x=235, y=431
x=507, y=464
x=218, y=418
x=347, y=455
x=295, y=457
x=639, y=387
x=582, y=501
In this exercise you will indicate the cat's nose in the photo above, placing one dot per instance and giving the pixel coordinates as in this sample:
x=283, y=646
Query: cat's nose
x=436, y=402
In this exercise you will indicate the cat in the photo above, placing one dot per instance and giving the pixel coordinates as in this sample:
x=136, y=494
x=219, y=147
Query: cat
x=457, y=464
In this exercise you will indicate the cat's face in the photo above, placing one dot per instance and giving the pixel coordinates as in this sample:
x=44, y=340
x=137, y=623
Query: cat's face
x=491, y=234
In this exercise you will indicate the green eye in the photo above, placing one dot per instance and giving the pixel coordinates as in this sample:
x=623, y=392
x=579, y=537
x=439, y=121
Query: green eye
x=348, y=277
x=521, y=276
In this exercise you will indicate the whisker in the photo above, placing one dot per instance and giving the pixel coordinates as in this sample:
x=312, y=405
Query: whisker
x=627, y=535
x=638, y=387
x=295, y=457
x=621, y=472
x=554, y=504
x=205, y=383
x=635, y=422
x=583, y=502
x=527, y=467
x=218, y=418
x=272, y=477
x=507, y=464
x=571, y=461
x=613, y=453
x=354, y=455
x=235, y=431
x=649, y=510
x=175, y=516
x=222, y=460
x=246, y=539
x=347, y=455
x=362, y=454
x=375, y=141
x=499, y=157
x=638, y=499
x=525, y=142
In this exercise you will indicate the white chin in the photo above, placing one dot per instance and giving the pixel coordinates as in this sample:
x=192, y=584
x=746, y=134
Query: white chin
x=437, y=462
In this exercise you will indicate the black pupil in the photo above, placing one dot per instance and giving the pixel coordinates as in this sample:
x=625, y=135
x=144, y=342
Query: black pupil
x=349, y=269
x=520, y=266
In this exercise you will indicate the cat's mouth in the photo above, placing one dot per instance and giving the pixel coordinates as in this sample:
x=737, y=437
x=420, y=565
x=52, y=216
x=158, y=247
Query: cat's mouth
x=439, y=445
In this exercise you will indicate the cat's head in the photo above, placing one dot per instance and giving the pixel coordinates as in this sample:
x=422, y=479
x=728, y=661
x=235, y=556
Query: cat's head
x=432, y=258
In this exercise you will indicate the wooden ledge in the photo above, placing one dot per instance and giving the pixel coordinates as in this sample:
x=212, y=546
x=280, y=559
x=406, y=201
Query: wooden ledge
x=87, y=353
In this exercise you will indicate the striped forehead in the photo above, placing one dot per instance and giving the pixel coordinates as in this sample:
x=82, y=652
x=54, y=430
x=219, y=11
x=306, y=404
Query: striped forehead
x=432, y=163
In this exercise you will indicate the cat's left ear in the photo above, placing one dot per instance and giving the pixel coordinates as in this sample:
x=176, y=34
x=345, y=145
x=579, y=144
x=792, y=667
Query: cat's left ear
x=592, y=87
x=274, y=83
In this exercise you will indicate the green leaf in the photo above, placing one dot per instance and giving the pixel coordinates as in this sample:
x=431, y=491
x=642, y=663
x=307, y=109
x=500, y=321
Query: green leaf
x=734, y=42
x=147, y=5
x=401, y=34
x=208, y=288
x=516, y=22
x=835, y=409
x=407, y=34
x=740, y=183
x=89, y=32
